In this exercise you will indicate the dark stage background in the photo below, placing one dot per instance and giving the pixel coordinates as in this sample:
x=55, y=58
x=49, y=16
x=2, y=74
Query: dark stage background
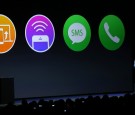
x=61, y=71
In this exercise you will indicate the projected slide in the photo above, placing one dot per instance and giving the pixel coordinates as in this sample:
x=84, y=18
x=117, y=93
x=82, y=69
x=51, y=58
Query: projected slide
x=70, y=48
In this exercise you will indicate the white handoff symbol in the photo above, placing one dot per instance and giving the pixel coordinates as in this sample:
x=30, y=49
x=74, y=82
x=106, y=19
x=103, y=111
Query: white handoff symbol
x=5, y=33
x=77, y=33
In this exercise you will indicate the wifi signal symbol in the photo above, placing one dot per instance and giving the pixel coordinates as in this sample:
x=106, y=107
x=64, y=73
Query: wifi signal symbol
x=39, y=26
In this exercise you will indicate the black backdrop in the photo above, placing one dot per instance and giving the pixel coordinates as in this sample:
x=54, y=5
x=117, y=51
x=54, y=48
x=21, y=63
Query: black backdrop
x=60, y=71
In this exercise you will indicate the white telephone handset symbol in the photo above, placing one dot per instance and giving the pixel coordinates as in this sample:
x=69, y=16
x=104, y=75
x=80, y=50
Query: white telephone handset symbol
x=115, y=38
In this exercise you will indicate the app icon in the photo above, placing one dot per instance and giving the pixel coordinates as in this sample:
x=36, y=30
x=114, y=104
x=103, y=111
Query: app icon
x=111, y=32
x=77, y=33
x=39, y=33
x=7, y=34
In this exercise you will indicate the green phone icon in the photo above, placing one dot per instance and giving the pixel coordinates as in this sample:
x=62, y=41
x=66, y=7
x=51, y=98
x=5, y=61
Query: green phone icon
x=111, y=32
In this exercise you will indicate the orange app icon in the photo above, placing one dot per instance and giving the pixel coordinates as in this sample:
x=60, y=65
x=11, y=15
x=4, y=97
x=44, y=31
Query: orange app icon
x=7, y=34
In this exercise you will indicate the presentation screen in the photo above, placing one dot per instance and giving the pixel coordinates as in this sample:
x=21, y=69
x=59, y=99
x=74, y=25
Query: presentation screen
x=65, y=48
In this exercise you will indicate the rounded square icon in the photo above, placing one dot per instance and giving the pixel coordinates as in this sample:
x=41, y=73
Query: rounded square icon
x=7, y=34
x=39, y=33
